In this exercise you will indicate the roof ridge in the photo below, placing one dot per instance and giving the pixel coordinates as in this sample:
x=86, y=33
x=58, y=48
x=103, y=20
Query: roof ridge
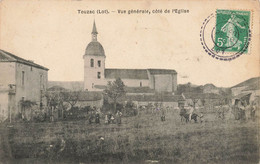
x=24, y=61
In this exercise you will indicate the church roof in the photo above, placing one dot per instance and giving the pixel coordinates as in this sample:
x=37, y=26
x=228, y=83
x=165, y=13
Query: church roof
x=8, y=57
x=126, y=73
x=94, y=48
x=154, y=98
x=161, y=71
x=135, y=73
x=94, y=30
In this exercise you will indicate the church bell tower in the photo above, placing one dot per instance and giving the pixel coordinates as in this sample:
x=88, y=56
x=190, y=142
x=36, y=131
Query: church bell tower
x=94, y=64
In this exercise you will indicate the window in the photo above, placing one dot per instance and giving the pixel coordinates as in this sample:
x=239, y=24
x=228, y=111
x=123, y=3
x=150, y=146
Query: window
x=23, y=78
x=141, y=84
x=92, y=85
x=99, y=63
x=98, y=75
x=91, y=62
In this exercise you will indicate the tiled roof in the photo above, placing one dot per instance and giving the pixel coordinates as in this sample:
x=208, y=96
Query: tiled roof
x=100, y=86
x=8, y=57
x=242, y=95
x=162, y=71
x=139, y=90
x=81, y=95
x=90, y=96
x=126, y=74
x=131, y=89
x=201, y=96
x=135, y=73
x=71, y=85
x=156, y=98
x=252, y=87
x=250, y=82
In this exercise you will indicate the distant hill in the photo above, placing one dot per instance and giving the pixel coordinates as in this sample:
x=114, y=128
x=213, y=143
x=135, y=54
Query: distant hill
x=210, y=85
x=181, y=88
x=71, y=85
x=252, y=83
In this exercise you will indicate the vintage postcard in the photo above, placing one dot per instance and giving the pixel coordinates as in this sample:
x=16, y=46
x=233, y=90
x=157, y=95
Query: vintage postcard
x=149, y=81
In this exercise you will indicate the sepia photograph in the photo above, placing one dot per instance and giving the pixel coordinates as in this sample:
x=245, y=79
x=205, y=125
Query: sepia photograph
x=111, y=82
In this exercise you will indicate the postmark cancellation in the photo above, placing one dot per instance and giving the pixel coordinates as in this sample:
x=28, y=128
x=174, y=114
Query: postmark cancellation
x=226, y=34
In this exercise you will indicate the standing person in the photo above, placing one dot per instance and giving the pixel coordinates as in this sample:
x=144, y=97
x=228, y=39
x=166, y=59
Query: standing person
x=112, y=119
x=252, y=111
x=157, y=110
x=91, y=117
x=163, y=114
x=109, y=117
x=118, y=116
x=97, y=120
x=242, y=110
x=191, y=112
x=106, y=119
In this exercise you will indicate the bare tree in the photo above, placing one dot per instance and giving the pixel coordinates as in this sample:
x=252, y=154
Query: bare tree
x=72, y=98
x=56, y=100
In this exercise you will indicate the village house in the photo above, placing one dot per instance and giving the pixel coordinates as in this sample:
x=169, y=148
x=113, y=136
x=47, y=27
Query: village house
x=165, y=101
x=248, y=90
x=20, y=80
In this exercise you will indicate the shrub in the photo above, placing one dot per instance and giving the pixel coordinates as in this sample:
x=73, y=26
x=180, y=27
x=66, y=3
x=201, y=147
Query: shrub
x=130, y=109
x=39, y=116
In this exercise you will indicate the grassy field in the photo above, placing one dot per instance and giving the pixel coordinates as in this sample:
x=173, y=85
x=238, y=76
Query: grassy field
x=140, y=139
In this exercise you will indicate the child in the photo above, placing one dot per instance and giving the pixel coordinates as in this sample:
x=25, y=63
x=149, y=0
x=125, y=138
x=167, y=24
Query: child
x=112, y=119
x=106, y=119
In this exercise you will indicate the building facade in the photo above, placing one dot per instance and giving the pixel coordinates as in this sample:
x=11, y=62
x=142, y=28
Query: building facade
x=96, y=75
x=248, y=90
x=20, y=80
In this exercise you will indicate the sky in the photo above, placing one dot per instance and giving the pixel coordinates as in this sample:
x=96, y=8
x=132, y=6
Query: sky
x=55, y=35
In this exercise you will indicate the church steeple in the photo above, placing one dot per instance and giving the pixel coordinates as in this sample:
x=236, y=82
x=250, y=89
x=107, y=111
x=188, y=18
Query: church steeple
x=94, y=32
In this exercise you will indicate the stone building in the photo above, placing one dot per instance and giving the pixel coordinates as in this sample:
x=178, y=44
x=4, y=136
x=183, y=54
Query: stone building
x=248, y=90
x=96, y=75
x=20, y=80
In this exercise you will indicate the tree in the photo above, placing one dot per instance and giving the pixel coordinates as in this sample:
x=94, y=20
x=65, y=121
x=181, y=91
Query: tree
x=55, y=100
x=52, y=102
x=115, y=90
x=71, y=97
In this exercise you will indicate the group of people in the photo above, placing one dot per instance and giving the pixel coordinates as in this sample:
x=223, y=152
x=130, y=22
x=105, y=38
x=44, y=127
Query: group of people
x=110, y=118
x=243, y=110
x=94, y=117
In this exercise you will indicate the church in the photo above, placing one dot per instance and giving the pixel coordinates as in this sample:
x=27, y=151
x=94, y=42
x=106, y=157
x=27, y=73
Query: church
x=96, y=75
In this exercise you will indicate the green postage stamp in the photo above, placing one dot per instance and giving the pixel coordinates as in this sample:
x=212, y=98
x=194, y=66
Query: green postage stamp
x=226, y=34
x=231, y=34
